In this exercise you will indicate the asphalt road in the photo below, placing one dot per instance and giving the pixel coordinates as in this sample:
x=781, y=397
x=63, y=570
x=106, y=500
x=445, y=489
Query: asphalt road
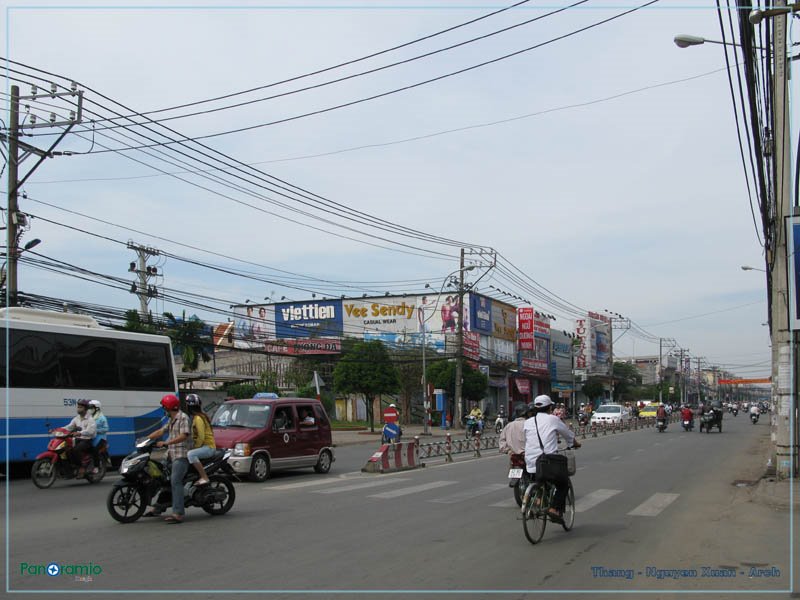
x=648, y=504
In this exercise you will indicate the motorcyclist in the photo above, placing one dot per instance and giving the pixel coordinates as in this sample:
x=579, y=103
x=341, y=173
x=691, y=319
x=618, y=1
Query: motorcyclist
x=661, y=412
x=547, y=427
x=477, y=413
x=101, y=439
x=687, y=415
x=512, y=438
x=202, y=437
x=85, y=429
x=179, y=432
x=754, y=410
x=716, y=407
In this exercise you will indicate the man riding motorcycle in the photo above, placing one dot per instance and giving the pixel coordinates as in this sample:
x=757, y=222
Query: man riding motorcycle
x=477, y=414
x=83, y=425
x=687, y=415
x=512, y=438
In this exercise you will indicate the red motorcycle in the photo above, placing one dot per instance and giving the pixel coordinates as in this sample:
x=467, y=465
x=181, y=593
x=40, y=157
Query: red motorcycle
x=517, y=476
x=55, y=462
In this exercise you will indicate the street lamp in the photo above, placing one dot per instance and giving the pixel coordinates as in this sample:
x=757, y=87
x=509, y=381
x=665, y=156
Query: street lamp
x=757, y=15
x=683, y=40
x=746, y=268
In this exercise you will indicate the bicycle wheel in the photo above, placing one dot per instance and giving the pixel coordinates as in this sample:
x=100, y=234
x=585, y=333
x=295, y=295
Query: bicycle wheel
x=569, y=510
x=534, y=517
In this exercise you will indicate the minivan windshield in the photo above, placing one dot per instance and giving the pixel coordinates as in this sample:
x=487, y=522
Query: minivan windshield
x=241, y=415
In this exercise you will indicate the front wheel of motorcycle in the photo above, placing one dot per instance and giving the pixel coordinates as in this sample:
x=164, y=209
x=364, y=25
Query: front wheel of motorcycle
x=498, y=428
x=217, y=484
x=43, y=473
x=126, y=503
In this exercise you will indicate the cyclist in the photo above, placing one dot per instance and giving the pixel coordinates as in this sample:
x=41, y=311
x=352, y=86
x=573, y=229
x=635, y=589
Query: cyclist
x=541, y=435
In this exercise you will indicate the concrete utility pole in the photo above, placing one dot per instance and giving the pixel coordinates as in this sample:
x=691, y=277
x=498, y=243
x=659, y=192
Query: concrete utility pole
x=143, y=289
x=779, y=321
x=11, y=231
x=459, y=408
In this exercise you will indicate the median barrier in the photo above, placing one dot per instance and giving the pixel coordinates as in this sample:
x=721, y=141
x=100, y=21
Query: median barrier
x=389, y=458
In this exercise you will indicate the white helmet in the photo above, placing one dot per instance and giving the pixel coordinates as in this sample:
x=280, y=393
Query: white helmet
x=392, y=406
x=542, y=401
x=95, y=404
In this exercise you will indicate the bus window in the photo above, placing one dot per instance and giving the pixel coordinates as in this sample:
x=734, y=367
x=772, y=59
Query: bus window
x=145, y=366
x=88, y=363
x=33, y=360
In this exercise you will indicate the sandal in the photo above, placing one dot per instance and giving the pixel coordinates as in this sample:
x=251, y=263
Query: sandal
x=202, y=482
x=173, y=519
x=554, y=514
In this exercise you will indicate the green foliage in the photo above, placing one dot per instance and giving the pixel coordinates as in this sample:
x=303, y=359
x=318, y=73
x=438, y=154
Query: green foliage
x=593, y=388
x=134, y=322
x=241, y=390
x=189, y=338
x=442, y=374
x=408, y=362
x=627, y=378
x=365, y=368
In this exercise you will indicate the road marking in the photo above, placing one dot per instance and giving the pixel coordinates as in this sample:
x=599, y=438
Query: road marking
x=580, y=468
x=505, y=503
x=359, y=486
x=654, y=505
x=594, y=498
x=615, y=457
x=470, y=493
x=640, y=450
x=412, y=490
x=657, y=444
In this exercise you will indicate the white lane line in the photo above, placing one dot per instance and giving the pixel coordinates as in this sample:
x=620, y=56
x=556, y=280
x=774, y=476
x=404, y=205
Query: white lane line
x=302, y=484
x=580, y=468
x=615, y=457
x=657, y=444
x=359, y=486
x=640, y=450
x=470, y=493
x=654, y=505
x=506, y=503
x=594, y=498
x=412, y=490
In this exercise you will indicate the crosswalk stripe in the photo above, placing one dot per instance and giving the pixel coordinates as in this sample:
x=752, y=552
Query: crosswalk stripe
x=653, y=506
x=413, y=489
x=505, y=503
x=470, y=493
x=359, y=486
x=594, y=498
x=303, y=484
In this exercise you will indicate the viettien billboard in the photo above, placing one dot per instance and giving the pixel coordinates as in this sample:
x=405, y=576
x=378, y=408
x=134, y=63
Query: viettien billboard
x=315, y=319
x=253, y=325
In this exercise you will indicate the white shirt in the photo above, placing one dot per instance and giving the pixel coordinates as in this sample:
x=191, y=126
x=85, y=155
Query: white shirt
x=512, y=438
x=754, y=410
x=85, y=425
x=550, y=427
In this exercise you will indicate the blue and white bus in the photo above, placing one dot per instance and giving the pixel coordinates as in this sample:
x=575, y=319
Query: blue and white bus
x=51, y=360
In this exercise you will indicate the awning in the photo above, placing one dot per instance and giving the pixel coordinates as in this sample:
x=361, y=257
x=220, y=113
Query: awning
x=523, y=385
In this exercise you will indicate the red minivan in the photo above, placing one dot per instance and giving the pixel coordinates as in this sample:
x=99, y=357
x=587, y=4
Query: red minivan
x=267, y=435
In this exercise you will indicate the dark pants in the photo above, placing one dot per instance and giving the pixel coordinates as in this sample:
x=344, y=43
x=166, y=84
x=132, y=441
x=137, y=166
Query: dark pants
x=562, y=489
x=81, y=449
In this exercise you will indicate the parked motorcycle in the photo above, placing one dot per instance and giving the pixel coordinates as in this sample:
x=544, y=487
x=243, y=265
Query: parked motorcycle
x=55, y=462
x=754, y=418
x=517, y=476
x=472, y=426
x=146, y=481
x=661, y=425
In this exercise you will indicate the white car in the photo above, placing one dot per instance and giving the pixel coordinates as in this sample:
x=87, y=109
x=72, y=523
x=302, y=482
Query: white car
x=610, y=413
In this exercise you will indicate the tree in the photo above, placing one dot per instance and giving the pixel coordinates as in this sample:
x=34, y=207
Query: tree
x=593, y=388
x=408, y=362
x=627, y=377
x=442, y=374
x=134, y=322
x=189, y=337
x=365, y=368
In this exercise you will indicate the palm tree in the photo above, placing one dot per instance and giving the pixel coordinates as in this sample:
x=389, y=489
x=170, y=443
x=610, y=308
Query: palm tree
x=189, y=337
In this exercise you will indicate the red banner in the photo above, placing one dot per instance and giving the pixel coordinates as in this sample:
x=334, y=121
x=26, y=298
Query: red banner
x=525, y=328
x=744, y=381
x=472, y=345
x=304, y=346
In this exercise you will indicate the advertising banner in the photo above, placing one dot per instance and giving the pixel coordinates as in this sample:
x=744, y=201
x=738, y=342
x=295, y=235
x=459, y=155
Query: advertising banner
x=298, y=347
x=583, y=358
x=254, y=325
x=504, y=321
x=560, y=356
x=533, y=366
x=313, y=319
x=525, y=327
x=439, y=313
x=480, y=314
x=380, y=315
x=594, y=334
x=223, y=335
x=541, y=327
x=793, y=267
x=472, y=345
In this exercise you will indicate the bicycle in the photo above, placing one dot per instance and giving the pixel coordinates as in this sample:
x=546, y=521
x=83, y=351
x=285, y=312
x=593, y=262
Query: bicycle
x=536, y=502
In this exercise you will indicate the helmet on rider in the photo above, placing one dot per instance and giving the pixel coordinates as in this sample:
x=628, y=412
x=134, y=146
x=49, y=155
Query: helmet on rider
x=542, y=401
x=95, y=404
x=392, y=406
x=531, y=408
x=170, y=402
x=520, y=411
x=193, y=401
x=82, y=403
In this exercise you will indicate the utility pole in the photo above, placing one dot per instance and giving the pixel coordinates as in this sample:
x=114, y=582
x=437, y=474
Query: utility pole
x=11, y=230
x=145, y=272
x=660, y=394
x=459, y=409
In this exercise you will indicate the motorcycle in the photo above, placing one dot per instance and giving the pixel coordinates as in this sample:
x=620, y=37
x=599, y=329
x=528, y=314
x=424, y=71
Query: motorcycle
x=146, y=481
x=55, y=462
x=517, y=476
x=583, y=419
x=710, y=419
x=500, y=422
x=754, y=418
x=472, y=426
x=688, y=424
x=661, y=425
x=735, y=411
x=391, y=433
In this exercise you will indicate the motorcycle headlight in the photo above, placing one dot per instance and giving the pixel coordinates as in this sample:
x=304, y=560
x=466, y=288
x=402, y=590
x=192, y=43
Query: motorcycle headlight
x=128, y=464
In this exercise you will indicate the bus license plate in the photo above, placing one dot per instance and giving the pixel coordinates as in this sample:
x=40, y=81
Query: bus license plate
x=515, y=473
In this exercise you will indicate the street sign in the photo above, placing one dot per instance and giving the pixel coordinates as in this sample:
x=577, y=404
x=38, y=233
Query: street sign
x=390, y=415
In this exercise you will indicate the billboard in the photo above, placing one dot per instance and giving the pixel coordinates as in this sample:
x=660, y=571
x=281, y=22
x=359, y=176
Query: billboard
x=439, y=313
x=313, y=319
x=793, y=267
x=480, y=308
x=594, y=335
x=560, y=356
x=384, y=315
x=253, y=325
x=304, y=346
x=504, y=321
x=525, y=326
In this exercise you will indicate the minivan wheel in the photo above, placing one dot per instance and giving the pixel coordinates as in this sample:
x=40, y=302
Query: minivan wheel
x=259, y=468
x=324, y=462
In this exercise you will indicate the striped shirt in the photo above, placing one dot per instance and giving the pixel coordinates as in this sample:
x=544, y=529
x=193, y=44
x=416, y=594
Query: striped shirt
x=178, y=426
